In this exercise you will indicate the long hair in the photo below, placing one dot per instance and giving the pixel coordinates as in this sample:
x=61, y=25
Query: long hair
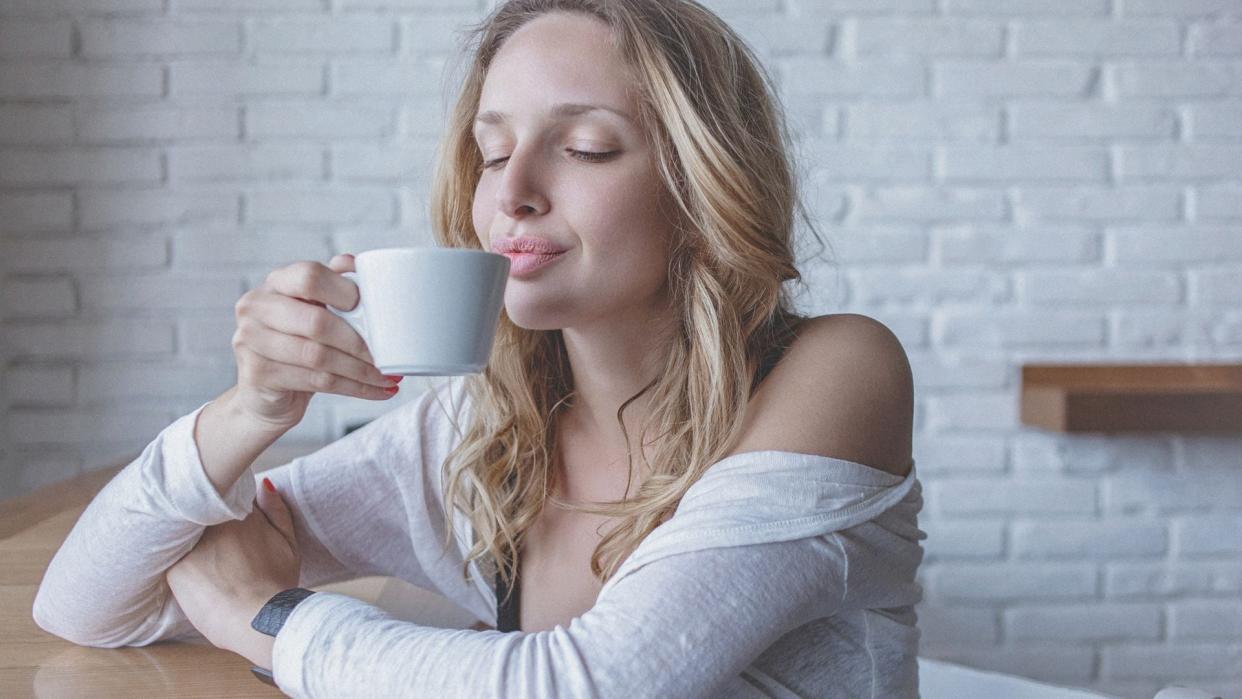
x=722, y=148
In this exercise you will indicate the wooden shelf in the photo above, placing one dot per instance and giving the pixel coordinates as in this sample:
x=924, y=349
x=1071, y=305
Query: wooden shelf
x=1133, y=397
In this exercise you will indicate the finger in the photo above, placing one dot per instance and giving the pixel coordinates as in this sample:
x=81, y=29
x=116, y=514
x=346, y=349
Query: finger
x=299, y=351
x=315, y=282
x=277, y=512
x=287, y=377
x=293, y=317
x=343, y=262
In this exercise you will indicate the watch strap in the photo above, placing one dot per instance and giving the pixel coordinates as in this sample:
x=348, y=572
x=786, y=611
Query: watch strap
x=263, y=675
x=272, y=616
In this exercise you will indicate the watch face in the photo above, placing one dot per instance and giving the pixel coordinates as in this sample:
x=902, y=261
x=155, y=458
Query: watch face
x=272, y=616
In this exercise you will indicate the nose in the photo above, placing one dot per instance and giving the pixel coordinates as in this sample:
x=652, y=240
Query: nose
x=520, y=193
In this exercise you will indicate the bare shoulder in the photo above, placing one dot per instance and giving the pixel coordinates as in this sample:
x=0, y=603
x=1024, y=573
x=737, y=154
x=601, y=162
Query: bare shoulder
x=843, y=389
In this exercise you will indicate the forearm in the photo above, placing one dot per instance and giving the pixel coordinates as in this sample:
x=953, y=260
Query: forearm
x=229, y=441
x=105, y=586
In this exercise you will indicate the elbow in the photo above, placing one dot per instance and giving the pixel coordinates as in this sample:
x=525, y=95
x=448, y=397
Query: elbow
x=57, y=626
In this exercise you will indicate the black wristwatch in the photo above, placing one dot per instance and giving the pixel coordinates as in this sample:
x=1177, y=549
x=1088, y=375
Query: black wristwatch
x=272, y=617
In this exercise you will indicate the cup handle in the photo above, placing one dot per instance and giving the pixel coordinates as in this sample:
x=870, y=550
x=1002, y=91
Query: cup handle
x=354, y=317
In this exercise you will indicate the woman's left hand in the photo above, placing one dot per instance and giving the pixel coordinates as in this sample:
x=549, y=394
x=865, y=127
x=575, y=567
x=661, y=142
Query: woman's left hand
x=233, y=570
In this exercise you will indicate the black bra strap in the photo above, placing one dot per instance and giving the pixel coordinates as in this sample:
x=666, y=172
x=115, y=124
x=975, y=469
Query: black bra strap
x=507, y=616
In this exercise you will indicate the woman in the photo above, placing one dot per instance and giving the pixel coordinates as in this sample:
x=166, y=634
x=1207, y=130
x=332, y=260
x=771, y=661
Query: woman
x=755, y=536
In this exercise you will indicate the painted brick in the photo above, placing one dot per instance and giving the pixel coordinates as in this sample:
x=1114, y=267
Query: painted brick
x=39, y=385
x=233, y=163
x=1004, y=328
x=1201, y=619
x=39, y=297
x=1163, y=660
x=1151, y=244
x=1084, y=622
x=1173, y=579
x=1173, y=79
x=986, y=164
x=1219, y=201
x=923, y=121
x=1098, y=286
x=26, y=167
x=224, y=78
x=28, y=212
x=172, y=37
x=947, y=540
x=1218, y=287
x=337, y=35
x=144, y=123
x=55, y=79
x=327, y=206
x=1102, y=541
x=35, y=124
x=197, y=249
x=1026, y=7
x=966, y=79
x=928, y=37
x=23, y=38
x=319, y=120
x=101, y=209
x=820, y=76
x=158, y=292
x=89, y=338
x=1010, y=582
x=977, y=496
x=1181, y=8
x=1000, y=245
x=1217, y=39
x=1208, y=535
x=1047, y=121
x=1132, y=203
x=897, y=203
x=1216, y=121
x=1184, y=162
x=113, y=382
x=946, y=624
x=1097, y=37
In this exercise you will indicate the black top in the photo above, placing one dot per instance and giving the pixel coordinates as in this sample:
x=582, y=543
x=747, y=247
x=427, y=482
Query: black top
x=508, y=616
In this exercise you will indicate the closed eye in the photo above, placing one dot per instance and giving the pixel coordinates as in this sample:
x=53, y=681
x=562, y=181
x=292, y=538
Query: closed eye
x=588, y=156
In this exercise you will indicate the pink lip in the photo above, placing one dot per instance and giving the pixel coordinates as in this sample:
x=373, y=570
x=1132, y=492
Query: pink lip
x=524, y=263
x=526, y=243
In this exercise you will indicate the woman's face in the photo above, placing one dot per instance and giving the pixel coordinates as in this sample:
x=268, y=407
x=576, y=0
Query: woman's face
x=583, y=179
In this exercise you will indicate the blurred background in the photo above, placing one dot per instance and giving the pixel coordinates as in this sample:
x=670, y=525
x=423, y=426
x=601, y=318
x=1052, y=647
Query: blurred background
x=1000, y=182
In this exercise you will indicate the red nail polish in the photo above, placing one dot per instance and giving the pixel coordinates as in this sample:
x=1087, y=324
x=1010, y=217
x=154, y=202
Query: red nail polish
x=394, y=379
x=391, y=390
x=268, y=484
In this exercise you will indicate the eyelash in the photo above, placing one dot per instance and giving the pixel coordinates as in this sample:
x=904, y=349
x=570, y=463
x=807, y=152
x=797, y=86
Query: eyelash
x=588, y=156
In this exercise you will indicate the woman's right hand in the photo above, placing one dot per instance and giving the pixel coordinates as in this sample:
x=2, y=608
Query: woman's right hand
x=289, y=346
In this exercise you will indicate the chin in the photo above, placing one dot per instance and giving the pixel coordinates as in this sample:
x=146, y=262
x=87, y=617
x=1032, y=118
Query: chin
x=529, y=316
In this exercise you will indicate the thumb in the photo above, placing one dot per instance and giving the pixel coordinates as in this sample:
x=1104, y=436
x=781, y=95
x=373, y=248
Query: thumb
x=273, y=505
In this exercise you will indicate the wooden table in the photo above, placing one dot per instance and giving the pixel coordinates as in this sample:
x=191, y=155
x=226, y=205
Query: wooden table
x=34, y=663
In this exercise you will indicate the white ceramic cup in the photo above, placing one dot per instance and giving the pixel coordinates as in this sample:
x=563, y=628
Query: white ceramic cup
x=428, y=311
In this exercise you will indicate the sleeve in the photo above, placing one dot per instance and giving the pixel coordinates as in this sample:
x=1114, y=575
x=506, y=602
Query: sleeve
x=682, y=626
x=105, y=585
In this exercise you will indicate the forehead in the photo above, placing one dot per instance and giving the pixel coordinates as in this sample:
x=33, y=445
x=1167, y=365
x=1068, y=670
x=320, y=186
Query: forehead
x=555, y=59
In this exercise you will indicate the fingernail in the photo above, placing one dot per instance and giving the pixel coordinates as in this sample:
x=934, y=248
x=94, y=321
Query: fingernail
x=267, y=483
x=391, y=390
x=394, y=379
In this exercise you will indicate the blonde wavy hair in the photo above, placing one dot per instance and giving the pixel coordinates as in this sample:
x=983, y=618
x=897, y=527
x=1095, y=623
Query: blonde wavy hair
x=722, y=149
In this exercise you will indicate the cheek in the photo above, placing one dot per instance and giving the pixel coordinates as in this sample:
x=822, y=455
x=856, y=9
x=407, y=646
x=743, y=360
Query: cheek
x=479, y=212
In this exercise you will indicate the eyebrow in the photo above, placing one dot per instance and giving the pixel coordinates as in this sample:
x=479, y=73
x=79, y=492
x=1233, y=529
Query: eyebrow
x=563, y=109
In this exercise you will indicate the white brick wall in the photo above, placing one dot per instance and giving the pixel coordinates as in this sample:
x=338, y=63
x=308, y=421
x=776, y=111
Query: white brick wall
x=1000, y=181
